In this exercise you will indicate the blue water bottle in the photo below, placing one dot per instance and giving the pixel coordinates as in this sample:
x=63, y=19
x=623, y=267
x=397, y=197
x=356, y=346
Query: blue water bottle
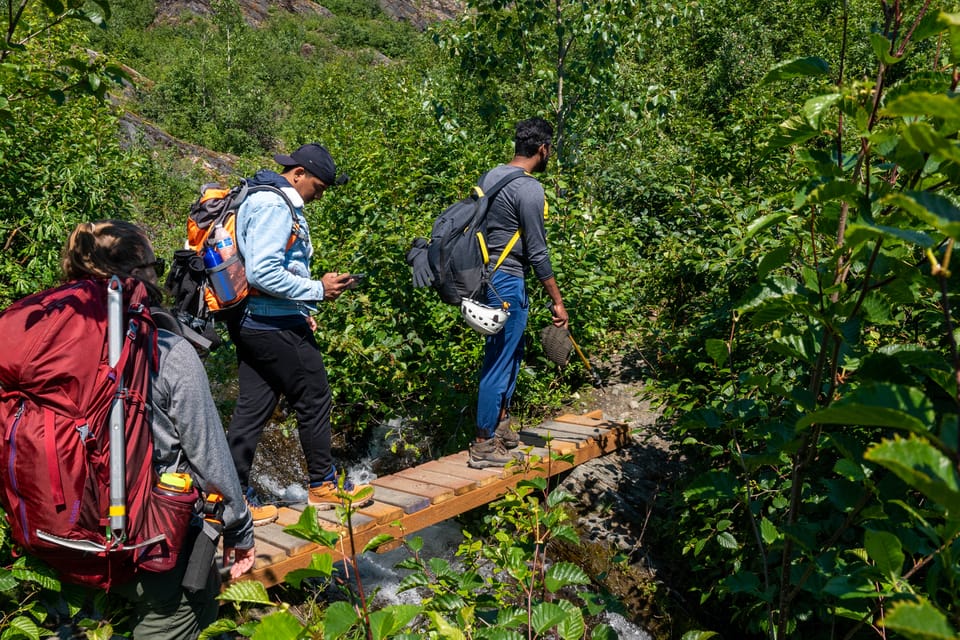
x=220, y=281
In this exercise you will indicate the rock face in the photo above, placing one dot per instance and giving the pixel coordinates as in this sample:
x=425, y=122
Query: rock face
x=418, y=13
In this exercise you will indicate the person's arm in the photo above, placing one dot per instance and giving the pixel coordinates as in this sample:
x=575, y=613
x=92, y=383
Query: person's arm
x=557, y=310
x=266, y=224
x=196, y=426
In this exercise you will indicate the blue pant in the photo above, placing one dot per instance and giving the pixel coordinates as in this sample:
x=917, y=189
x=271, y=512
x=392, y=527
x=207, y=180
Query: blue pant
x=502, y=353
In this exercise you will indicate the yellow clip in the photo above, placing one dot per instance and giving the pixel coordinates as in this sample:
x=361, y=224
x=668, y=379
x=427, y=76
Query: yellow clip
x=120, y=510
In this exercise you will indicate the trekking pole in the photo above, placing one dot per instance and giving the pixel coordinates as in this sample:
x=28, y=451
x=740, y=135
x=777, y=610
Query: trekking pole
x=118, y=444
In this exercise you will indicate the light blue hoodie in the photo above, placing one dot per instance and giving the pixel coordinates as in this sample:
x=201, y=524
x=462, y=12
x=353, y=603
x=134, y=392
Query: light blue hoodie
x=281, y=275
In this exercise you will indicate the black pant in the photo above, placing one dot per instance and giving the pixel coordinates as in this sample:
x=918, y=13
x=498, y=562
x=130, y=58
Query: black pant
x=274, y=362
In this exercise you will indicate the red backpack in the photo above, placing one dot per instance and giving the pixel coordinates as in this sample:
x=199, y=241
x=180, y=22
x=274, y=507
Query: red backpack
x=56, y=392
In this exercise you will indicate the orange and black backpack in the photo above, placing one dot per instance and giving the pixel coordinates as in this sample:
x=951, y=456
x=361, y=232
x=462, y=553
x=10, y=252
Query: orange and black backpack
x=207, y=277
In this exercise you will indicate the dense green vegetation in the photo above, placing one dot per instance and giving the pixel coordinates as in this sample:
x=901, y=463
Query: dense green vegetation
x=757, y=200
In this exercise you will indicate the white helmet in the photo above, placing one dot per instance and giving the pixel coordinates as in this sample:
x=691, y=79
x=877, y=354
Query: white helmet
x=482, y=318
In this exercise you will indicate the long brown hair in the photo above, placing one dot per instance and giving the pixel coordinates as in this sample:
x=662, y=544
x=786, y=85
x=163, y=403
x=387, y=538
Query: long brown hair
x=104, y=248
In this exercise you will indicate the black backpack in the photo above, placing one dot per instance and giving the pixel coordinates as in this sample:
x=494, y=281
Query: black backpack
x=455, y=260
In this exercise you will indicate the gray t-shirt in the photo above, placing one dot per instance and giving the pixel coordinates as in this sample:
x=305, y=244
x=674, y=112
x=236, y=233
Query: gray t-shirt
x=188, y=436
x=521, y=204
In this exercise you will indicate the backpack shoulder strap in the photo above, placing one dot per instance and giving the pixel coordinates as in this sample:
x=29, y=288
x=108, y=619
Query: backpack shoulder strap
x=295, y=229
x=491, y=194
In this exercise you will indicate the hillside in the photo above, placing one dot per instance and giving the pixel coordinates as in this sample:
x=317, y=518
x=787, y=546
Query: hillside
x=418, y=13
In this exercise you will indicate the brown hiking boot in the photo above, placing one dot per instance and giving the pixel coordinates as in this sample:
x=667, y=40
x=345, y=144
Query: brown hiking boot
x=328, y=496
x=491, y=453
x=261, y=513
x=509, y=437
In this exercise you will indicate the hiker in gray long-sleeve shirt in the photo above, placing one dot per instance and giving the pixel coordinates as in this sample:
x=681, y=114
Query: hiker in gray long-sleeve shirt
x=515, y=224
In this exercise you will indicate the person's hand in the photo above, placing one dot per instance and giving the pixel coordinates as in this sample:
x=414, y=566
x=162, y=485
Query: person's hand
x=242, y=560
x=560, y=317
x=312, y=323
x=334, y=284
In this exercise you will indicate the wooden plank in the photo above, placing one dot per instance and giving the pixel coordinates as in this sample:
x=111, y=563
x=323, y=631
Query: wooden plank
x=406, y=501
x=462, y=458
x=434, y=492
x=481, y=477
x=330, y=517
x=274, y=535
x=459, y=485
x=575, y=429
x=592, y=419
x=381, y=511
x=558, y=441
x=267, y=554
x=326, y=518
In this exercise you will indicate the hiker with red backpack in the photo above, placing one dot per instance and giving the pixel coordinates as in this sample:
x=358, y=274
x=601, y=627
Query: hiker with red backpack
x=182, y=448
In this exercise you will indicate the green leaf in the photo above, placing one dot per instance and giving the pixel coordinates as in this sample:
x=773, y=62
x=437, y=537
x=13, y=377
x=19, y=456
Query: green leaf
x=922, y=466
x=817, y=107
x=774, y=260
x=919, y=621
x=378, y=541
x=727, y=541
x=699, y=635
x=321, y=566
x=308, y=528
x=922, y=137
x=390, y=619
x=562, y=574
x=22, y=626
x=768, y=531
x=546, y=615
x=794, y=130
x=7, y=580
x=881, y=48
x=444, y=628
x=860, y=232
x=922, y=104
x=279, y=625
x=717, y=350
x=877, y=405
x=246, y=592
x=831, y=190
x=603, y=632
x=797, y=68
x=339, y=619
x=743, y=582
x=951, y=22
x=573, y=626
x=885, y=550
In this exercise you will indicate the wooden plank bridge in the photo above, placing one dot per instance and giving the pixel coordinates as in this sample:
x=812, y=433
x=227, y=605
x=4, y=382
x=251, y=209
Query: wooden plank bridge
x=416, y=498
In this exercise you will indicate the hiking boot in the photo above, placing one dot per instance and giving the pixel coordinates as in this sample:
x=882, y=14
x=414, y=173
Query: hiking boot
x=328, y=496
x=261, y=513
x=491, y=453
x=506, y=434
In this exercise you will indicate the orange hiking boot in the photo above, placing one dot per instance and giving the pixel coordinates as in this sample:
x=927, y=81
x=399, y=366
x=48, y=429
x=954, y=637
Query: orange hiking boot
x=328, y=496
x=261, y=513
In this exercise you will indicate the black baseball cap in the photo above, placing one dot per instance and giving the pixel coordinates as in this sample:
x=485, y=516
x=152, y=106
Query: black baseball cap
x=317, y=160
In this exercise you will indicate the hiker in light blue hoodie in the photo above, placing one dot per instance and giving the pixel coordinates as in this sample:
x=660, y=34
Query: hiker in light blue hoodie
x=277, y=351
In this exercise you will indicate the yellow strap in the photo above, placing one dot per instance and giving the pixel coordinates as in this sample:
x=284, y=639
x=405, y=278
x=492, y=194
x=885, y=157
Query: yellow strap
x=506, y=251
x=483, y=248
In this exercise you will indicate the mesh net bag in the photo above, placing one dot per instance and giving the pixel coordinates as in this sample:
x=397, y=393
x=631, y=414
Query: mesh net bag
x=556, y=344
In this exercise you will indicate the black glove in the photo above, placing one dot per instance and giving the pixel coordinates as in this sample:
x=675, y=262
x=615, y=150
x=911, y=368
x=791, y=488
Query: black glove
x=420, y=263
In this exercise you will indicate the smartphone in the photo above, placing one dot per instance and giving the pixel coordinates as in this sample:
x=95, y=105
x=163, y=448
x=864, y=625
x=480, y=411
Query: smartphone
x=356, y=279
